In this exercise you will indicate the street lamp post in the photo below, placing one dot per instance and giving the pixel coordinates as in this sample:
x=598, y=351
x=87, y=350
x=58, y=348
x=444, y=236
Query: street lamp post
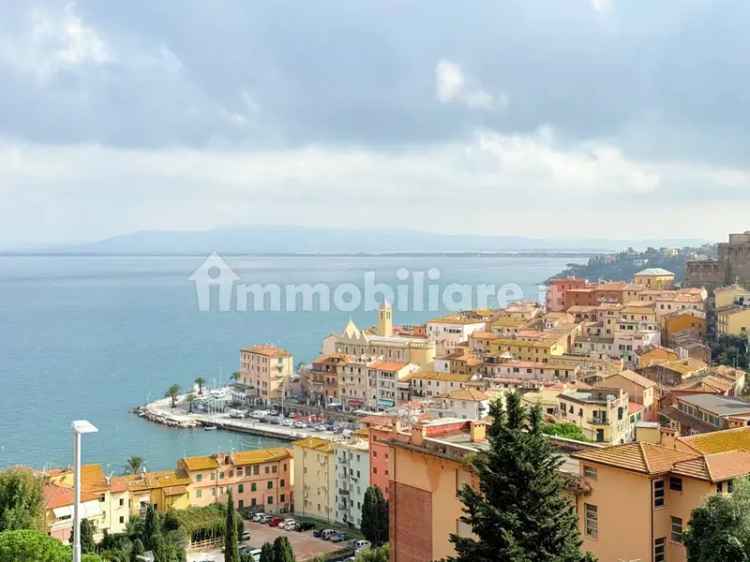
x=80, y=427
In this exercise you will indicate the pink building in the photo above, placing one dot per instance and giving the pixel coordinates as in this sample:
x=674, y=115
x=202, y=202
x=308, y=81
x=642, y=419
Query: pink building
x=556, y=288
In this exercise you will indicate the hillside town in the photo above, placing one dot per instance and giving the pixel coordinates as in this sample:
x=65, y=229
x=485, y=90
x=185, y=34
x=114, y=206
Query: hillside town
x=646, y=422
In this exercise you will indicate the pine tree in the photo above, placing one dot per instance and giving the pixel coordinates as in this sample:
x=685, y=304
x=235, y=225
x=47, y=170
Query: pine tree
x=267, y=553
x=136, y=550
x=282, y=550
x=375, y=516
x=518, y=513
x=231, y=540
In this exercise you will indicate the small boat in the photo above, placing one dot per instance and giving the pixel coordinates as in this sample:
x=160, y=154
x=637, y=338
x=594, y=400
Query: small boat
x=210, y=428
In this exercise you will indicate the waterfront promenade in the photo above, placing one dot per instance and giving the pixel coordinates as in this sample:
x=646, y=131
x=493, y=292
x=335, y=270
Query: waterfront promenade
x=161, y=411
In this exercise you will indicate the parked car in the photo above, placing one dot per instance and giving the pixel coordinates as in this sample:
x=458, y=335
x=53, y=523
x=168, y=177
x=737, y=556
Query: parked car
x=326, y=534
x=306, y=526
x=361, y=544
x=275, y=521
x=300, y=424
x=337, y=537
x=288, y=422
x=266, y=518
x=289, y=524
x=319, y=428
x=318, y=533
x=254, y=553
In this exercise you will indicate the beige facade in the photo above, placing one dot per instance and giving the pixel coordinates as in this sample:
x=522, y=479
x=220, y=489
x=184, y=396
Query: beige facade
x=733, y=321
x=264, y=370
x=315, y=478
x=603, y=414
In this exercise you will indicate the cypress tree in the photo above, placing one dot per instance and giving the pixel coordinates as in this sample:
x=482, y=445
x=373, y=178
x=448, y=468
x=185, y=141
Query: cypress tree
x=136, y=550
x=151, y=531
x=518, y=513
x=282, y=550
x=375, y=516
x=231, y=540
x=266, y=553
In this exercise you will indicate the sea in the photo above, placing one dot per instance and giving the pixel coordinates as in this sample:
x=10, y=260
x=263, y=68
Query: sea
x=90, y=337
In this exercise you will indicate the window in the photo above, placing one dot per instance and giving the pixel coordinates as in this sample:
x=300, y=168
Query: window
x=282, y=497
x=659, y=493
x=720, y=488
x=730, y=486
x=660, y=549
x=281, y=483
x=252, y=502
x=256, y=469
x=269, y=486
x=270, y=500
x=589, y=472
x=122, y=502
x=253, y=487
x=592, y=520
x=676, y=529
x=199, y=493
x=240, y=471
x=675, y=484
x=221, y=475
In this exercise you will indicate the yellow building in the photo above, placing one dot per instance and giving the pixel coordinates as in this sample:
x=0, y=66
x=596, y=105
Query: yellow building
x=539, y=350
x=654, y=278
x=602, y=413
x=733, y=321
x=264, y=370
x=642, y=495
x=428, y=384
x=165, y=490
x=314, y=478
x=730, y=296
x=106, y=501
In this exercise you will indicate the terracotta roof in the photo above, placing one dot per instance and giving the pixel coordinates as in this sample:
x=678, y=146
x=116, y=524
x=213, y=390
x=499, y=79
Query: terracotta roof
x=642, y=457
x=200, y=463
x=315, y=443
x=468, y=394
x=154, y=480
x=633, y=377
x=267, y=350
x=718, y=441
x=391, y=366
x=260, y=455
x=715, y=467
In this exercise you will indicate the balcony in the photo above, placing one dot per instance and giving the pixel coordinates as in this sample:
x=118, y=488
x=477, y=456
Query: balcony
x=598, y=421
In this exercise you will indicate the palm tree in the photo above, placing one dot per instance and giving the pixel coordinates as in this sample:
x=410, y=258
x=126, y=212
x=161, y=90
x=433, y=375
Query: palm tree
x=200, y=381
x=190, y=399
x=173, y=392
x=236, y=376
x=135, y=464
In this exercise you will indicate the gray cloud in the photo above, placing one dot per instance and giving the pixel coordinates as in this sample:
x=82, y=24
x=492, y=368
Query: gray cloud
x=647, y=101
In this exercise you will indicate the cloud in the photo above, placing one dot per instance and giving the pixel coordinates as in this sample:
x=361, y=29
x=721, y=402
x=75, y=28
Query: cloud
x=54, y=41
x=451, y=87
x=603, y=6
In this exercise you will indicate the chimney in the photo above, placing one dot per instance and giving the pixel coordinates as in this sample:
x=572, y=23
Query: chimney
x=478, y=431
x=668, y=437
x=418, y=434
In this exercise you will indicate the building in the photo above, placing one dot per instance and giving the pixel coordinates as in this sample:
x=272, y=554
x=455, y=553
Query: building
x=677, y=324
x=427, y=466
x=733, y=321
x=556, y=288
x=732, y=264
x=539, y=347
x=104, y=502
x=321, y=383
x=354, y=382
x=647, y=493
x=673, y=372
x=261, y=479
x=731, y=295
x=383, y=379
x=654, y=278
x=464, y=404
x=315, y=478
x=691, y=412
x=381, y=342
x=352, y=467
x=640, y=390
x=430, y=384
x=165, y=490
x=450, y=330
x=264, y=370
x=602, y=413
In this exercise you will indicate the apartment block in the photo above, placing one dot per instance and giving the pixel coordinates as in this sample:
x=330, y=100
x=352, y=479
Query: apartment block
x=264, y=370
x=315, y=478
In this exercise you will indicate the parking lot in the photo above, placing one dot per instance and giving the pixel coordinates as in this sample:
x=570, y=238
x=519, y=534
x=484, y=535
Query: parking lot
x=305, y=545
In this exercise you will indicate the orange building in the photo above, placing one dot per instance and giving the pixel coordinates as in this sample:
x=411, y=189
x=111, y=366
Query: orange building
x=682, y=323
x=261, y=478
x=642, y=494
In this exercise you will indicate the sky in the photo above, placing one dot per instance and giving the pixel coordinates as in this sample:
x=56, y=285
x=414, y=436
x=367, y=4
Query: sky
x=576, y=118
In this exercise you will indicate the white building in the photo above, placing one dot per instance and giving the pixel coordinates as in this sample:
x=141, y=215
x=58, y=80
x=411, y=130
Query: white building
x=449, y=331
x=352, y=464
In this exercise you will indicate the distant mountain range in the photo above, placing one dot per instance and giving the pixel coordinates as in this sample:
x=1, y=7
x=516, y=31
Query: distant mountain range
x=309, y=240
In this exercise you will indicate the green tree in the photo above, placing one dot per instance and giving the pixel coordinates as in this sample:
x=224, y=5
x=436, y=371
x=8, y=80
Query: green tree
x=375, y=516
x=26, y=545
x=518, y=512
x=565, y=429
x=378, y=554
x=20, y=500
x=731, y=350
x=190, y=399
x=231, y=539
x=173, y=393
x=151, y=529
x=135, y=464
x=719, y=530
x=282, y=550
x=266, y=553
x=200, y=381
x=236, y=376
x=136, y=550
x=88, y=544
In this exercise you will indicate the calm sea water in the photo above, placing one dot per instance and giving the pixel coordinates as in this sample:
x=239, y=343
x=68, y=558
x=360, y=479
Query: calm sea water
x=90, y=337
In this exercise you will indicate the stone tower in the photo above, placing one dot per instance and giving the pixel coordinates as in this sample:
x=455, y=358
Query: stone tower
x=385, y=320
